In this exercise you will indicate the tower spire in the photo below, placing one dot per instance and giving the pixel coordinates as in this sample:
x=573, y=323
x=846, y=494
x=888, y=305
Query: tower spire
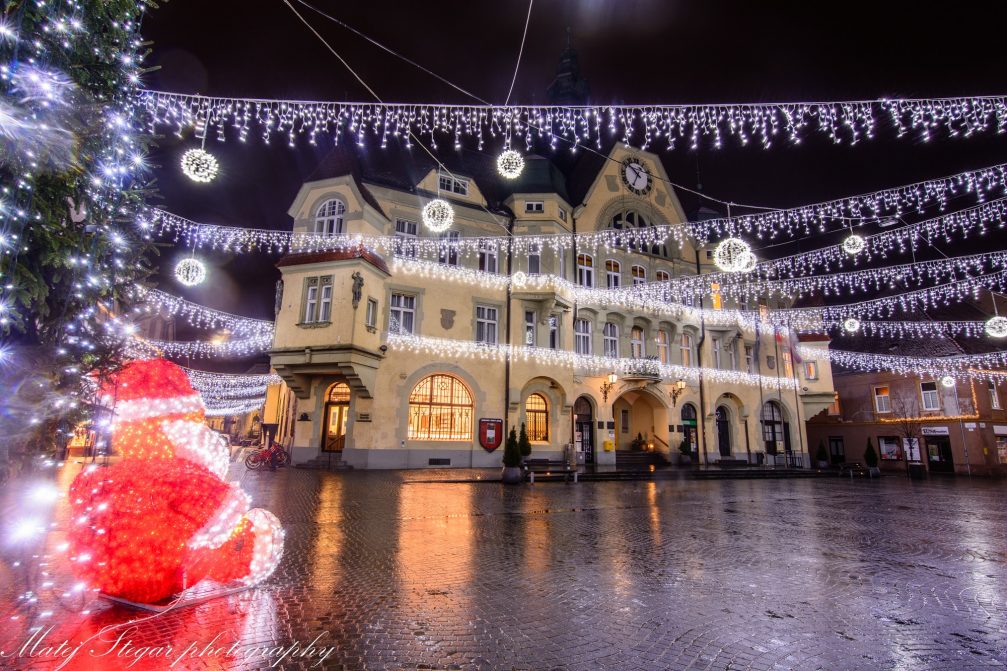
x=568, y=86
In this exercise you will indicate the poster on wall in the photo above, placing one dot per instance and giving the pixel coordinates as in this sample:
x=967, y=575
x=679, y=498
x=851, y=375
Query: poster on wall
x=490, y=433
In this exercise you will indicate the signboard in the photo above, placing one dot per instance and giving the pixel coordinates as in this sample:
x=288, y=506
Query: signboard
x=490, y=433
x=999, y=430
x=935, y=431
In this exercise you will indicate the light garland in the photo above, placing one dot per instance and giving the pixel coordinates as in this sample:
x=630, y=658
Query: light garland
x=199, y=165
x=438, y=215
x=914, y=329
x=948, y=382
x=190, y=272
x=510, y=164
x=960, y=366
x=157, y=301
x=849, y=121
x=244, y=347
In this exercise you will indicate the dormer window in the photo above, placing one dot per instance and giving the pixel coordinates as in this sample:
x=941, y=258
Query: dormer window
x=534, y=206
x=450, y=184
x=329, y=217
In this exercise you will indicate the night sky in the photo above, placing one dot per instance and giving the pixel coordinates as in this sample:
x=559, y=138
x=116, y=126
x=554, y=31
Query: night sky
x=631, y=51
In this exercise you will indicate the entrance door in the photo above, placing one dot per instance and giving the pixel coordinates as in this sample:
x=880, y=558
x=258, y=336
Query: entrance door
x=584, y=428
x=690, y=436
x=939, y=456
x=337, y=408
x=723, y=432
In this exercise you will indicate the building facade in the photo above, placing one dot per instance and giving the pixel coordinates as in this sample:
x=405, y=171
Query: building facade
x=958, y=429
x=403, y=348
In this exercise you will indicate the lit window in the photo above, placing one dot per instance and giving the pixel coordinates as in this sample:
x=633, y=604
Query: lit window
x=636, y=342
x=612, y=275
x=536, y=412
x=402, y=314
x=662, y=276
x=535, y=258
x=882, y=399
x=487, y=257
x=663, y=347
x=405, y=234
x=715, y=298
x=685, y=349
x=329, y=217
x=835, y=409
x=534, y=206
x=1002, y=449
x=788, y=364
x=440, y=408
x=449, y=248
x=639, y=275
x=994, y=397
x=585, y=270
x=486, y=325
x=810, y=370
x=582, y=336
x=931, y=401
x=610, y=340
x=529, y=328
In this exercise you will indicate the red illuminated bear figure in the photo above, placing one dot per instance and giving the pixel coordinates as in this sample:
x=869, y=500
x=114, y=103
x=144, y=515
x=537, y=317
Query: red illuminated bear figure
x=163, y=518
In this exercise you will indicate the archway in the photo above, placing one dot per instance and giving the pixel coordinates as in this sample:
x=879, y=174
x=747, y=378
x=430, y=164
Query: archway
x=583, y=427
x=337, y=409
x=724, y=430
x=640, y=414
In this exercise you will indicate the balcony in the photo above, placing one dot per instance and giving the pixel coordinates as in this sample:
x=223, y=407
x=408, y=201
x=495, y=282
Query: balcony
x=648, y=369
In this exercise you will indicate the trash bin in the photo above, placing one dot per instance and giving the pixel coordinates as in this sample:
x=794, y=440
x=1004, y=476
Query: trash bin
x=917, y=471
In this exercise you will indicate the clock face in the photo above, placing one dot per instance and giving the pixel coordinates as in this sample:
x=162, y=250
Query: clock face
x=636, y=176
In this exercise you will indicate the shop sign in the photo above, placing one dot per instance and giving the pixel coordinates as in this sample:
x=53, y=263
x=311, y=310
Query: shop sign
x=999, y=430
x=935, y=431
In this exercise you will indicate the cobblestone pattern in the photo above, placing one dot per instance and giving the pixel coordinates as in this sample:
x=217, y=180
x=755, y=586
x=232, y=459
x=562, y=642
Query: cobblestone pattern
x=397, y=573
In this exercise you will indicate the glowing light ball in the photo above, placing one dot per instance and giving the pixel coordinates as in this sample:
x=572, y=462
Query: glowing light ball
x=851, y=324
x=747, y=263
x=731, y=255
x=190, y=272
x=199, y=165
x=510, y=164
x=947, y=381
x=519, y=279
x=438, y=215
x=854, y=244
x=996, y=327
x=163, y=518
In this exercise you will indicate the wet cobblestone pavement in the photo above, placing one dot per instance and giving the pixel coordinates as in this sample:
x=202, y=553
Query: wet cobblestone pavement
x=394, y=573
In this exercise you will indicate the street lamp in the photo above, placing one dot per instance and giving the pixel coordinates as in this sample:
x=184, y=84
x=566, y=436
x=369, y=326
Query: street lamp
x=607, y=386
x=676, y=391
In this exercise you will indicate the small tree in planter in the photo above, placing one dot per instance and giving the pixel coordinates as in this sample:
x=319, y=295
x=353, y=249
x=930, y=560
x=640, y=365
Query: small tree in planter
x=685, y=453
x=511, y=473
x=821, y=455
x=871, y=459
x=523, y=444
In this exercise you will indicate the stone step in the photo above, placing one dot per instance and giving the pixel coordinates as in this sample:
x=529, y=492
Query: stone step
x=325, y=463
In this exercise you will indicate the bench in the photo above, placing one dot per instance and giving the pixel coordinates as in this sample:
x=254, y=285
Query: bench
x=533, y=466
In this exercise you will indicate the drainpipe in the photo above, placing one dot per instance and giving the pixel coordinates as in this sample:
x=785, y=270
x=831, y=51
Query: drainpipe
x=699, y=365
x=507, y=319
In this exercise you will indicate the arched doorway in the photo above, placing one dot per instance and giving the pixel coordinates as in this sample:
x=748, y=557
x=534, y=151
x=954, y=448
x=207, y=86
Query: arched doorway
x=724, y=431
x=690, y=430
x=583, y=428
x=337, y=408
x=641, y=414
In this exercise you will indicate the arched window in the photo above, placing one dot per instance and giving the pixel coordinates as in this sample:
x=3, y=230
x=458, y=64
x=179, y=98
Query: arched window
x=329, y=217
x=662, y=276
x=610, y=340
x=663, y=347
x=627, y=221
x=339, y=393
x=440, y=408
x=772, y=426
x=585, y=270
x=536, y=411
x=639, y=275
x=636, y=342
x=613, y=274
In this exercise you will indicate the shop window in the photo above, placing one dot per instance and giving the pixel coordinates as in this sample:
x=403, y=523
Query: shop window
x=440, y=408
x=536, y=411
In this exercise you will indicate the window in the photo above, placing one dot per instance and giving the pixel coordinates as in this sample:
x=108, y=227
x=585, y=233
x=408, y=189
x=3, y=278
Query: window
x=634, y=221
x=931, y=401
x=562, y=214
x=788, y=364
x=772, y=426
x=371, y=318
x=329, y=217
x=585, y=270
x=685, y=349
x=535, y=258
x=553, y=332
x=639, y=275
x=487, y=257
x=610, y=340
x=536, y=412
x=405, y=233
x=534, y=206
x=663, y=347
x=810, y=370
x=835, y=409
x=1002, y=449
x=994, y=397
x=624, y=416
x=882, y=399
x=636, y=342
x=402, y=314
x=715, y=346
x=837, y=450
x=890, y=448
x=486, y=325
x=582, y=336
x=454, y=185
x=732, y=354
x=716, y=300
x=318, y=300
x=529, y=328
x=613, y=277
x=662, y=276
x=449, y=248
x=749, y=359
x=440, y=408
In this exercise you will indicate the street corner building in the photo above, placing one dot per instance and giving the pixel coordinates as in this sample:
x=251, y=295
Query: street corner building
x=545, y=304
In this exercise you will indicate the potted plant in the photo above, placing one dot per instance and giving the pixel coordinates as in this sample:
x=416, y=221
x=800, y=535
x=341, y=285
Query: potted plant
x=685, y=454
x=523, y=444
x=511, y=473
x=638, y=444
x=871, y=459
x=822, y=456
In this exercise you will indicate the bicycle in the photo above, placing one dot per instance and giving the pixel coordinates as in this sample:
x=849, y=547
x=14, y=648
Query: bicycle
x=274, y=454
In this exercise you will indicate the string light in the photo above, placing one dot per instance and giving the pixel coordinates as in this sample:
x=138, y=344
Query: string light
x=947, y=382
x=243, y=347
x=199, y=165
x=510, y=164
x=960, y=366
x=190, y=272
x=849, y=121
x=854, y=244
x=155, y=301
x=438, y=215
x=733, y=254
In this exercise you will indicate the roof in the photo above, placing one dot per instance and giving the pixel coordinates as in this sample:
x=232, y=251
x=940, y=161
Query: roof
x=338, y=255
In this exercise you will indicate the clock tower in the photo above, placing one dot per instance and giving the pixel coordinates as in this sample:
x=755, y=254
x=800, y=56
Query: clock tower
x=568, y=87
